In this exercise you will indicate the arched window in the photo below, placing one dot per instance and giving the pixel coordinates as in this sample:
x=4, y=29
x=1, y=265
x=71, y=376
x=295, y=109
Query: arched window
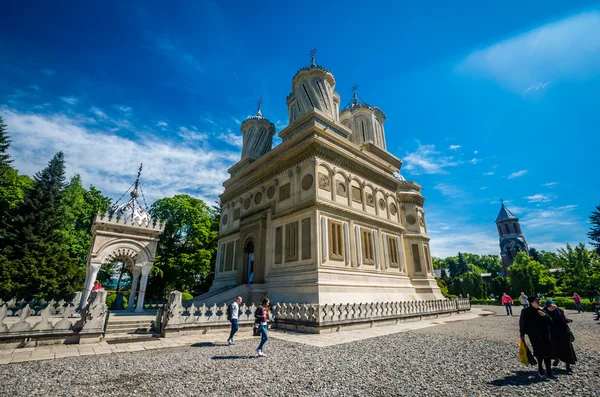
x=500, y=230
x=506, y=229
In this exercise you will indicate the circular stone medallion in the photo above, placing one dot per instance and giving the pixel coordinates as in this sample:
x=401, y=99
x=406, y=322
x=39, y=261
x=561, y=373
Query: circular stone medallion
x=225, y=218
x=258, y=198
x=411, y=219
x=307, y=181
x=393, y=209
x=247, y=203
x=271, y=192
x=382, y=204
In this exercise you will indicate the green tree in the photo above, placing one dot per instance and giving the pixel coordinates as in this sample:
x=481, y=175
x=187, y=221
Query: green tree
x=578, y=265
x=186, y=253
x=80, y=207
x=499, y=285
x=461, y=266
x=594, y=233
x=529, y=276
x=5, y=159
x=36, y=262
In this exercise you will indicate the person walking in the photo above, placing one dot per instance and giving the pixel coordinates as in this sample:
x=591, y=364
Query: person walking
x=535, y=323
x=597, y=308
x=523, y=300
x=578, y=305
x=507, y=302
x=232, y=314
x=262, y=316
x=470, y=300
x=561, y=336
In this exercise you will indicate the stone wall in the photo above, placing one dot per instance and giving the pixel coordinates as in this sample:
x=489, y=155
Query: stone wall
x=177, y=319
x=28, y=324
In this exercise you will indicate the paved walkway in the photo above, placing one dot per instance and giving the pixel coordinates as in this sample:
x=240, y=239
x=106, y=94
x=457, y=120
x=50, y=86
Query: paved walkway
x=219, y=337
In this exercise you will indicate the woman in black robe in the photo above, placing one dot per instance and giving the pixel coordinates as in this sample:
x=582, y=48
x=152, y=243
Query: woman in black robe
x=535, y=323
x=561, y=335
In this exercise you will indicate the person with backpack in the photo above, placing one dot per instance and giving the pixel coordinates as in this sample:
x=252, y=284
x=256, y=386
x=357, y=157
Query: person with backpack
x=261, y=316
x=232, y=315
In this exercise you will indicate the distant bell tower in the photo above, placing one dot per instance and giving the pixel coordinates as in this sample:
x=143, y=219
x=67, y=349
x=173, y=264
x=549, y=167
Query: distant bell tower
x=512, y=240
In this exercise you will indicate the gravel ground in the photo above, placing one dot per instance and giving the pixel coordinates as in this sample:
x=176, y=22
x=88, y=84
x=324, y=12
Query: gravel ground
x=467, y=358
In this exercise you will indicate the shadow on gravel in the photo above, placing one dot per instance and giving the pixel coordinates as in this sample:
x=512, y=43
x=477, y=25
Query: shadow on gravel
x=520, y=378
x=233, y=357
x=206, y=344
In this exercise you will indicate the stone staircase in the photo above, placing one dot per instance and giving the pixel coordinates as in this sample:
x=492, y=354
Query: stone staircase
x=126, y=327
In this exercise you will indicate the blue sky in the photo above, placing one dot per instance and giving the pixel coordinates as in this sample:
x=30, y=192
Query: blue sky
x=484, y=100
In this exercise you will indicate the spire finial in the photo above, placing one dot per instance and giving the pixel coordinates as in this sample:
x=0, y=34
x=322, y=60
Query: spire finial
x=354, y=89
x=502, y=201
x=259, y=111
x=313, y=51
x=135, y=193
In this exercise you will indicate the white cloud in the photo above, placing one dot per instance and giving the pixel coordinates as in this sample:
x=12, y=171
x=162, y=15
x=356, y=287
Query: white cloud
x=428, y=161
x=162, y=124
x=517, y=174
x=550, y=184
x=450, y=190
x=110, y=161
x=455, y=147
x=35, y=87
x=447, y=242
x=474, y=160
x=98, y=113
x=69, y=100
x=192, y=135
x=537, y=87
x=489, y=173
x=550, y=218
x=483, y=188
x=476, y=151
x=560, y=50
x=540, y=198
x=126, y=110
x=231, y=139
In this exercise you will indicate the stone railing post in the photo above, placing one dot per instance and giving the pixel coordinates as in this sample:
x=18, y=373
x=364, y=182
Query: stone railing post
x=172, y=311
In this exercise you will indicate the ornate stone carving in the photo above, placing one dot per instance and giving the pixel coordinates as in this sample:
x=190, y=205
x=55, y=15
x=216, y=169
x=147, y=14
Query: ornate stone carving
x=225, y=219
x=393, y=209
x=324, y=182
x=247, y=203
x=284, y=192
x=356, y=194
x=236, y=214
x=381, y=204
x=341, y=189
x=307, y=181
x=271, y=192
x=258, y=198
x=411, y=219
x=370, y=200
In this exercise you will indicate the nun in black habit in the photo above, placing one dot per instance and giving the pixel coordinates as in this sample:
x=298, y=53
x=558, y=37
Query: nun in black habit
x=535, y=323
x=561, y=336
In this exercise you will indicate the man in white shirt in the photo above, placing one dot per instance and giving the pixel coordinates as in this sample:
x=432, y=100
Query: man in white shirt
x=234, y=309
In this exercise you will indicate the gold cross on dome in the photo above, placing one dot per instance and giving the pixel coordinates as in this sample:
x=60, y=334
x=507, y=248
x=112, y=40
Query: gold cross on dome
x=355, y=88
x=313, y=51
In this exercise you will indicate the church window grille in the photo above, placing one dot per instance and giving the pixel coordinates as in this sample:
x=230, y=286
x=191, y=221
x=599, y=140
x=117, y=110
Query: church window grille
x=368, y=252
x=364, y=135
x=393, y=255
x=306, y=238
x=336, y=241
x=427, y=262
x=416, y=258
x=308, y=96
x=229, y=256
x=318, y=83
x=291, y=242
x=278, y=245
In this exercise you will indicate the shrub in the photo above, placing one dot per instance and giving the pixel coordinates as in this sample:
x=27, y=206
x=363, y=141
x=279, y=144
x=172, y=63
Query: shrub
x=450, y=296
x=186, y=296
x=110, y=300
x=492, y=302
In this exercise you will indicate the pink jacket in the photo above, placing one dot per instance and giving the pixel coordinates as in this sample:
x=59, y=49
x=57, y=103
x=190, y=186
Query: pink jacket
x=506, y=299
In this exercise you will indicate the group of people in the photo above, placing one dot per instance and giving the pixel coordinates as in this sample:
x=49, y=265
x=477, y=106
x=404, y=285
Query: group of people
x=261, y=316
x=549, y=334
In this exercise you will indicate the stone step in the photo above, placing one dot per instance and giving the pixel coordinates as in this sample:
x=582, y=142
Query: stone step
x=112, y=327
x=131, y=337
x=129, y=323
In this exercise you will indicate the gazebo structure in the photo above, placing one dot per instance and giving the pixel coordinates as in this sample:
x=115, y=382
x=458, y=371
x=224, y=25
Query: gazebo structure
x=128, y=234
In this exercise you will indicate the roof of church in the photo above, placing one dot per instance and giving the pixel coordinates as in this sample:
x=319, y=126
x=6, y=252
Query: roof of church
x=505, y=214
x=132, y=210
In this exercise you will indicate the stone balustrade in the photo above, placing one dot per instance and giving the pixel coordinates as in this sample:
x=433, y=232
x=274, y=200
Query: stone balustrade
x=303, y=317
x=39, y=322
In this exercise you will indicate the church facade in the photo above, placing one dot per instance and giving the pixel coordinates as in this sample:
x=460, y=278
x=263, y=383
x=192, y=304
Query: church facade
x=324, y=217
x=512, y=240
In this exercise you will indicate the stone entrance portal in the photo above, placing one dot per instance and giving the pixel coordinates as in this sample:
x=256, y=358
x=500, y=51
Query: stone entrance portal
x=250, y=263
x=126, y=234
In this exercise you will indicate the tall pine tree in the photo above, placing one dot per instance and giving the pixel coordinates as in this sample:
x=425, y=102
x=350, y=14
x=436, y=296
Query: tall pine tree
x=37, y=263
x=594, y=233
x=4, y=145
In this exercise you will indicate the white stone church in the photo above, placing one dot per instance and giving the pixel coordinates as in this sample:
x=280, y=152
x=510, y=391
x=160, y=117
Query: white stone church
x=324, y=217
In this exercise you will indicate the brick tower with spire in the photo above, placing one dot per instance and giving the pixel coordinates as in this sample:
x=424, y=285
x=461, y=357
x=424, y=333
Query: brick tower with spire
x=512, y=240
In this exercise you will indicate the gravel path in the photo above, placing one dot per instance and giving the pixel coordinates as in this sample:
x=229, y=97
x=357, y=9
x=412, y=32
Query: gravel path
x=468, y=358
